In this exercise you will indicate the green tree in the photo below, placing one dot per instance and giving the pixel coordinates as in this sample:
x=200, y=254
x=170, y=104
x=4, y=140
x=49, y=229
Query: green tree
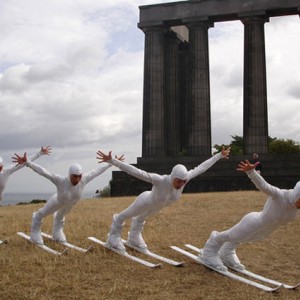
x=105, y=192
x=282, y=146
x=236, y=145
x=275, y=146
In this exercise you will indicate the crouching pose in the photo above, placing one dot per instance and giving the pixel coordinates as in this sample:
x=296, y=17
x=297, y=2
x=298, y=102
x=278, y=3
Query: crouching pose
x=280, y=208
x=69, y=191
x=166, y=190
x=6, y=172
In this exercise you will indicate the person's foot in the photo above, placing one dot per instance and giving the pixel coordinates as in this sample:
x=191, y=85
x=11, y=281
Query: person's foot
x=213, y=261
x=59, y=236
x=36, y=237
x=229, y=257
x=114, y=239
x=210, y=253
x=137, y=241
x=115, y=242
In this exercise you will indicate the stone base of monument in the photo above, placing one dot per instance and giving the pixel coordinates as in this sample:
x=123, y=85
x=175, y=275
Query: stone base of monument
x=282, y=171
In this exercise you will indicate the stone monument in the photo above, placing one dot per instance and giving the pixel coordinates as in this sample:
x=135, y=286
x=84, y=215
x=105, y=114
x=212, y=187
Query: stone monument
x=176, y=98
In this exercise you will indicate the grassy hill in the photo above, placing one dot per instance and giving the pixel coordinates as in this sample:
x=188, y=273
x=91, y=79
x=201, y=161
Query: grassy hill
x=27, y=272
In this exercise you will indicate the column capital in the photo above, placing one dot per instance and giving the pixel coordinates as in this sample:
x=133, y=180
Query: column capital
x=257, y=18
x=199, y=22
x=158, y=28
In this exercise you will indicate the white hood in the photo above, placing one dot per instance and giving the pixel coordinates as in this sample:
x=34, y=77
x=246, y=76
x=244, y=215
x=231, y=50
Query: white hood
x=75, y=169
x=180, y=172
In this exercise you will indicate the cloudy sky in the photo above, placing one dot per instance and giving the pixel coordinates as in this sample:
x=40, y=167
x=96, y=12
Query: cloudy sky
x=71, y=76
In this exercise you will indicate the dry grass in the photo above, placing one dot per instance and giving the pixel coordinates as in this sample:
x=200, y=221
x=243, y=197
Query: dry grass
x=28, y=272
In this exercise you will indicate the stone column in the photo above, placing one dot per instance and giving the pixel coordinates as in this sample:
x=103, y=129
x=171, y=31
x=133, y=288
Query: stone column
x=200, y=118
x=184, y=95
x=255, y=86
x=153, y=142
x=172, y=108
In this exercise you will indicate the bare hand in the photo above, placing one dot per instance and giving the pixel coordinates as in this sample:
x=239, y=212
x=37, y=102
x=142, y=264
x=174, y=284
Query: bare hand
x=120, y=158
x=103, y=157
x=225, y=152
x=246, y=166
x=20, y=160
x=46, y=150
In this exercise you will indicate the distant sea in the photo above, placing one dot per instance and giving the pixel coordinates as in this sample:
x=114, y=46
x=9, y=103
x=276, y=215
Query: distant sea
x=15, y=198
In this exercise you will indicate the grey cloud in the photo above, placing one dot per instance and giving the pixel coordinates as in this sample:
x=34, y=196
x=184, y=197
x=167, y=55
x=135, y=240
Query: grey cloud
x=12, y=79
x=235, y=77
x=294, y=90
x=48, y=71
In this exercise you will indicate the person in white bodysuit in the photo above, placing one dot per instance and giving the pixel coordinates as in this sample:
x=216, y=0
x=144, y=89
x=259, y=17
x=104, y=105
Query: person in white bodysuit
x=281, y=207
x=5, y=172
x=166, y=190
x=69, y=191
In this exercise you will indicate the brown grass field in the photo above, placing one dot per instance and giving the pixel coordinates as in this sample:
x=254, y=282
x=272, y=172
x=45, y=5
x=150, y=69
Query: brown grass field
x=28, y=272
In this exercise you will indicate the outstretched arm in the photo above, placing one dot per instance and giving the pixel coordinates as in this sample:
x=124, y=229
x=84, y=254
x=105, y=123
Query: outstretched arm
x=43, y=151
x=258, y=180
x=203, y=167
x=98, y=171
x=129, y=169
x=21, y=160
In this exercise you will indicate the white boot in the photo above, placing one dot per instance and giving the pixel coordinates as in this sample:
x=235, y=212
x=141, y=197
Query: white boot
x=210, y=253
x=58, y=228
x=135, y=237
x=35, y=231
x=114, y=239
x=229, y=257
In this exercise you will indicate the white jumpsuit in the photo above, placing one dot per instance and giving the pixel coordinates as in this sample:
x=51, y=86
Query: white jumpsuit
x=67, y=195
x=279, y=209
x=6, y=172
x=162, y=194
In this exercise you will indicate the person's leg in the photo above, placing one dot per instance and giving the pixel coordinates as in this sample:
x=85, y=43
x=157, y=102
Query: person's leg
x=141, y=205
x=35, y=229
x=147, y=209
x=37, y=217
x=114, y=239
x=229, y=257
x=226, y=242
x=210, y=252
x=250, y=228
x=58, y=224
x=135, y=237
